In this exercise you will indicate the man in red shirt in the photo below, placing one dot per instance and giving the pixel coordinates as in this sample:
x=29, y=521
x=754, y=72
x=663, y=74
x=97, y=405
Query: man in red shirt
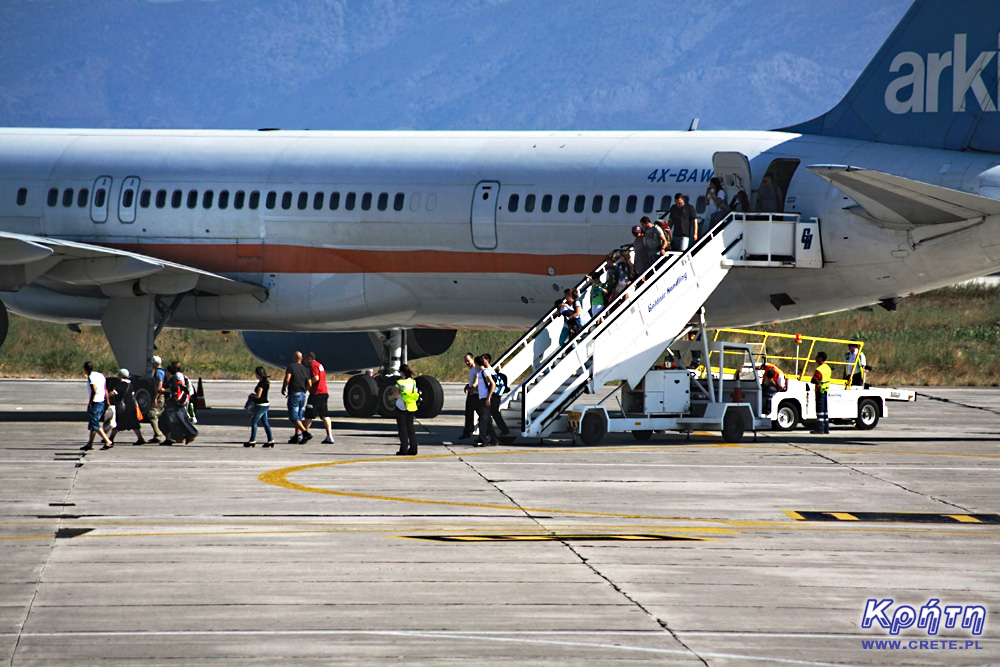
x=316, y=405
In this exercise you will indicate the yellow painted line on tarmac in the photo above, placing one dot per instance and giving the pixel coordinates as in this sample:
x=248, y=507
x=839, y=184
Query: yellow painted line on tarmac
x=844, y=516
x=964, y=518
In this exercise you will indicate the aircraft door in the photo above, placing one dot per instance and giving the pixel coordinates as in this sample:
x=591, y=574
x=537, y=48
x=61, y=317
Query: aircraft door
x=99, y=201
x=484, y=215
x=734, y=170
x=127, y=200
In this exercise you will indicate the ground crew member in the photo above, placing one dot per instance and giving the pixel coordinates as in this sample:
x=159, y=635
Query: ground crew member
x=821, y=378
x=773, y=382
x=857, y=378
x=406, y=395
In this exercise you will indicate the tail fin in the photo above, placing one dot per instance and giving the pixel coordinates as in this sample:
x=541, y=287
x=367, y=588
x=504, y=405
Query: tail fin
x=933, y=83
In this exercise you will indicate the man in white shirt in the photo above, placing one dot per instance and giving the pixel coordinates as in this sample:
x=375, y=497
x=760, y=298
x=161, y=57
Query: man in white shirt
x=856, y=373
x=97, y=385
x=471, y=397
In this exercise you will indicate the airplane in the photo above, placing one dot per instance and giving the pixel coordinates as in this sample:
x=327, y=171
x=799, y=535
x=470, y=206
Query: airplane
x=373, y=247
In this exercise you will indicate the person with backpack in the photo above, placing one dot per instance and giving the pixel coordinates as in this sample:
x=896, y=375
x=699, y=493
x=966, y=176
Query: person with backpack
x=174, y=421
x=489, y=404
x=406, y=395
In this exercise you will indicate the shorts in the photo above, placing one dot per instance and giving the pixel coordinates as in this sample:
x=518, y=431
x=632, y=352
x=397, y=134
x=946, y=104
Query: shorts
x=95, y=412
x=316, y=407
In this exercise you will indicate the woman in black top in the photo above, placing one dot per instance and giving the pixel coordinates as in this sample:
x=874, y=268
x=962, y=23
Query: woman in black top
x=259, y=397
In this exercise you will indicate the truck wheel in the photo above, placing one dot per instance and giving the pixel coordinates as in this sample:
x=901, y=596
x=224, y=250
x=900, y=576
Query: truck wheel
x=431, y=397
x=732, y=427
x=360, y=396
x=787, y=417
x=868, y=414
x=642, y=436
x=592, y=428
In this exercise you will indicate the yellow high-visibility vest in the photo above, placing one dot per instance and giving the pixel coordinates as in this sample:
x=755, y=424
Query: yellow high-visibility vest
x=825, y=373
x=408, y=392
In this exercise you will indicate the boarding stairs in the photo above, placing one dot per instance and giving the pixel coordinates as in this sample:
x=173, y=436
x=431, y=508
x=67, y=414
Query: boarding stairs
x=626, y=338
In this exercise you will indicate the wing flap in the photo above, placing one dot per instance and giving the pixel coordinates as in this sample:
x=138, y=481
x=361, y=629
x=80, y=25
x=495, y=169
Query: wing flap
x=83, y=264
x=903, y=202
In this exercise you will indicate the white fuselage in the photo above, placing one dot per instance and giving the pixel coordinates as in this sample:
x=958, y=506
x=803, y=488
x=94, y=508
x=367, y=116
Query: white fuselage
x=409, y=242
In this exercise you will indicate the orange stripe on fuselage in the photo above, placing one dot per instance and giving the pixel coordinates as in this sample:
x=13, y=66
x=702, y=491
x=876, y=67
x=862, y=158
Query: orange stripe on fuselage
x=261, y=258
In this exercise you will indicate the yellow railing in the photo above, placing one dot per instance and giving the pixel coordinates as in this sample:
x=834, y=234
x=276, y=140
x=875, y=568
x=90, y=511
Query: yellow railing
x=800, y=360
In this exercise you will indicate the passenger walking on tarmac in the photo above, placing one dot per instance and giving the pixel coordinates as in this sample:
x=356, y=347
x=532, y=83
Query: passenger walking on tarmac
x=159, y=395
x=494, y=395
x=405, y=393
x=770, y=199
x=174, y=421
x=821, y=378
x=319, y=398
x=854, y=355
x=260, y=408
x=487, y=434
x=471, y=397
x=682, y=221
x=716, y=204
x=640, y=261
x=127, y=414
x=97, y=386
x=655, y=241
x=295, y=384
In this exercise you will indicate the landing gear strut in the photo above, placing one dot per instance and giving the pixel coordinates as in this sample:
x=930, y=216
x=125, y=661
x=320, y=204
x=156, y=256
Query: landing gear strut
x=365, y=396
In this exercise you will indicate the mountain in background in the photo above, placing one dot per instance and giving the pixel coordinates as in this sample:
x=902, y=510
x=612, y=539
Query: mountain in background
x=433, y=64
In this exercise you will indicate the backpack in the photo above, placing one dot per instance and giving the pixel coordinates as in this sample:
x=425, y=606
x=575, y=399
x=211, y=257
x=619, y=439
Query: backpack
x=500, y=380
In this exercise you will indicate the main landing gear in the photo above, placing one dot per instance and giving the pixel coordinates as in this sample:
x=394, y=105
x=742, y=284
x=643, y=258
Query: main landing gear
x=366, y=395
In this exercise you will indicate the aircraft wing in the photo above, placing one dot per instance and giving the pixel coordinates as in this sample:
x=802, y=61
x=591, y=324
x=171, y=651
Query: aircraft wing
x=902, y=202
x=80, y=267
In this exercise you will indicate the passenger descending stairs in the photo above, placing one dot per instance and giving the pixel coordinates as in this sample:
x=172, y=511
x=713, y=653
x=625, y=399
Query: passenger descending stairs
x=624, y=340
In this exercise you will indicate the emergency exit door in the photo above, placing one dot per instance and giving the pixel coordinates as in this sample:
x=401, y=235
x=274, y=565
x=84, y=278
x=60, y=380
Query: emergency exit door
x=484, y=215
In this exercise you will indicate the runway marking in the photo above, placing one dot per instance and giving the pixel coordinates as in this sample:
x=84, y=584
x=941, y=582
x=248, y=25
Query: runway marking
x=894, y=517
x=552, y=538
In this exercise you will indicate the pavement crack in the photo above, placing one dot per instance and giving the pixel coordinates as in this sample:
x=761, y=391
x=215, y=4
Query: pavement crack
x=583, y=560
x=834, y=461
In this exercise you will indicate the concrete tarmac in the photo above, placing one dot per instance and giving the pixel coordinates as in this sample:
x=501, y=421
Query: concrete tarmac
x=673, y=551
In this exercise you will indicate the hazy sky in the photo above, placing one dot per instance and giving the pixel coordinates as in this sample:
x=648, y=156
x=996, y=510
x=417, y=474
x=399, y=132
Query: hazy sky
x=433, y=64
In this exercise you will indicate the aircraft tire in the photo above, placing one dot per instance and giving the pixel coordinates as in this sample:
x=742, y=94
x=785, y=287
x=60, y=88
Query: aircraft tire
x=360, y=396
x=431, y=400
x=385, y=404
x=4, y=323
x=143, y=389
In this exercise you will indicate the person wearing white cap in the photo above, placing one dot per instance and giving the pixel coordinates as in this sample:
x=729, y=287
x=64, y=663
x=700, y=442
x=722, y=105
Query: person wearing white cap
x=126, y=410
x=159, y=395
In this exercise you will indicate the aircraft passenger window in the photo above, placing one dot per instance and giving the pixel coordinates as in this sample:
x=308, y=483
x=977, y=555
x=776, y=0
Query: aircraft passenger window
x=432, y=202
x=67, y=197
x=630, y=203
x=303, y=200
x=383, y=201
x=529, y=203
x=366, y=201
x=415, y=201
x=127, y=198
x=286, y=200
x=206, y=199
x=563, y=203
x=546, y=203
x=598, y=202
x=82, y=197
x=99, y=197
x=239, y=199
x=145, y=198
x=580, y=203
x=22, y=196
x=161, y=198
x=512, y=203
x=397, y=203
x=318, y=201
x=665, y=203
x=254, y=203
x=614, y=203
x=272, y=198
x=175, y=199
x=334, y=201
x=192, y=199
x=349, y=201
x=648, y=203
x=223, y=199
x=53, y=197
